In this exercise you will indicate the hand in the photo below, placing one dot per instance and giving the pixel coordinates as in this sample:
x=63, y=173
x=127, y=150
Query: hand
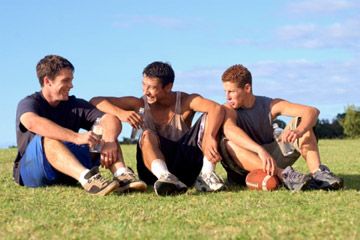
x=269, y=164
x=289, y=135
x=131, y=117
x=109, y=154
x=210, y=150
x=89, y=138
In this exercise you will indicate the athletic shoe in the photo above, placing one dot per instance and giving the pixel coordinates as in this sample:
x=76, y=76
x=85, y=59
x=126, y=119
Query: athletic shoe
x=98, y=185
x=169, y=184
x=209, y=183
x=128, y=182
x=295, y=181
x=326, y=180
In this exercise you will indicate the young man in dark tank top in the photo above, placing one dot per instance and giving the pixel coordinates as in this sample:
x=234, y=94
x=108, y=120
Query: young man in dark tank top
x=249, y=143
x=171, y=154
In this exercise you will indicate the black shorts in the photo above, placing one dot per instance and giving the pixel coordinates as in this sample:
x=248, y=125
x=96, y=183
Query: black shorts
x=183, y=158
x=235, y=174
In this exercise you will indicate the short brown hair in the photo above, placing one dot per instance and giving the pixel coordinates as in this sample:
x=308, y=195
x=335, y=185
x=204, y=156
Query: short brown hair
x=237, y=74
x=50, y=66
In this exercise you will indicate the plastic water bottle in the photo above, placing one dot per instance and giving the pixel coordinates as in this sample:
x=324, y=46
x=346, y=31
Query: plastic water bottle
x=97, y=129
x=136, y=132
x=286, y=148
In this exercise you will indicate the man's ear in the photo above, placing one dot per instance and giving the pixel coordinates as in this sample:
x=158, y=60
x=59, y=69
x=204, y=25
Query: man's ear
x=168, y=87
x=248, y=88
x=47, y=81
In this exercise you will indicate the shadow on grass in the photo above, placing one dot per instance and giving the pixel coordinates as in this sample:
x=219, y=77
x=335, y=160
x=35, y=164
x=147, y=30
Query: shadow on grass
x=351, y=181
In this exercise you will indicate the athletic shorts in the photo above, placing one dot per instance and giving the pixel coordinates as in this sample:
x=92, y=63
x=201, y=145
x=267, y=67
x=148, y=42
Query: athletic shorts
x=36, y=171
x=183, y=158
x=237, y=175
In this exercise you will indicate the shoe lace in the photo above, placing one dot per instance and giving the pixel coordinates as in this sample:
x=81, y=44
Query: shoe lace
x=97, y=178
x=212, y=178
x=296, y=176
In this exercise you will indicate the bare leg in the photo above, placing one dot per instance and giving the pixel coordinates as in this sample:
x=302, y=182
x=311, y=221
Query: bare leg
x=150, y=148
x=246, y=159
x=62, y=159
x=309, y=150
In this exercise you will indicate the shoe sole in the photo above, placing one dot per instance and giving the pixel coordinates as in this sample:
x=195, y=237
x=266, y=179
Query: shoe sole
x=333, y=186
x=132, y=187
x=109, y=189
x=167, y=189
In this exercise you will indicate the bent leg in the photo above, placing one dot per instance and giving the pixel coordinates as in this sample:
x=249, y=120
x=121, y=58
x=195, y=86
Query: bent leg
x=309, y=150
x=62, y=159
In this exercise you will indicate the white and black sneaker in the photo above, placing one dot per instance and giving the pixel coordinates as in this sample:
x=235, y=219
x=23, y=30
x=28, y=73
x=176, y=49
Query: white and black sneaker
x=210, y=182
x=169, y=184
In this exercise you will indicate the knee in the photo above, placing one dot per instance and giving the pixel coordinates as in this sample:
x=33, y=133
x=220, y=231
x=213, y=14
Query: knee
x=148, y=137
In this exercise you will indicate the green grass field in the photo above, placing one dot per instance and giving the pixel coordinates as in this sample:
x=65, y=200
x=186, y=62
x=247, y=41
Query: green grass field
x=62, y=212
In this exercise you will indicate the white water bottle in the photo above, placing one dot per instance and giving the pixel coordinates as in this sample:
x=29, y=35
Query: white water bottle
x=286, y=148
x=136, y=132
x=97, y=129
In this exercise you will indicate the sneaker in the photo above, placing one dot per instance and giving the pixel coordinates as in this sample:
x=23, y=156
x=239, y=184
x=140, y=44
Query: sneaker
x=169, y=184
x=128, y=182
x=295, y=181
x=326, y=180
x=98, y=185
x=209, y=183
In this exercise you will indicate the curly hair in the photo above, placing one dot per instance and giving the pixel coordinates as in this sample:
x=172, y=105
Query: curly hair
x=50, y=66
x=160, y=70
x=237, y=74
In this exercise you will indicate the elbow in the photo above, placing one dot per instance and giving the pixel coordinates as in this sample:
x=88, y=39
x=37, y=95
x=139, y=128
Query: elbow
x=316, y=112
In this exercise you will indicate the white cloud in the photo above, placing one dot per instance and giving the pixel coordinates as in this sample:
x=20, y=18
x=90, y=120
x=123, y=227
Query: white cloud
x=320, y=6
x=324, y=85
x=344, y=34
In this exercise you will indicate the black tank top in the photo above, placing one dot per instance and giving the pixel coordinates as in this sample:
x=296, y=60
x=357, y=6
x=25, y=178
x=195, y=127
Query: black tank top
x=256, y=121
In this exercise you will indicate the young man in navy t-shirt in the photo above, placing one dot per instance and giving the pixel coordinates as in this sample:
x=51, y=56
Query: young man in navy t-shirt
x=50, y=148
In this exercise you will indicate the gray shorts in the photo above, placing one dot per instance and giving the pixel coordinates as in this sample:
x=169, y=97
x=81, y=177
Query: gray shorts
x=238, y=174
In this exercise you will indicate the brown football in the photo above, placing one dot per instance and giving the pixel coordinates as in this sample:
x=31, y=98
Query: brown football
x=260, y=180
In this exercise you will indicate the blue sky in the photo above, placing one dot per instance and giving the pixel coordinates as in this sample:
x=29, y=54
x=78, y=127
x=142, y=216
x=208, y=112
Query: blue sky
x=303, y=51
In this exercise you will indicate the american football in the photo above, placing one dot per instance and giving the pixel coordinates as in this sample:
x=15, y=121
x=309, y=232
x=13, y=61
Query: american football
x=259, y=180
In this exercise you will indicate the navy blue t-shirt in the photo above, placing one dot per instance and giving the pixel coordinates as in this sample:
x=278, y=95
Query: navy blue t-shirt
x=74, y=114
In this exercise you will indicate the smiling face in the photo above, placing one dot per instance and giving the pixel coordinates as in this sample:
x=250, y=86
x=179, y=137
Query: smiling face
x=154, y=90
x=58, y=88
x=236, y=96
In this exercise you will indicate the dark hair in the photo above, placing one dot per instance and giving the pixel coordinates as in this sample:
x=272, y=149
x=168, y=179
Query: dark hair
x=50, y=66
x=237, y=74
x=160, y=70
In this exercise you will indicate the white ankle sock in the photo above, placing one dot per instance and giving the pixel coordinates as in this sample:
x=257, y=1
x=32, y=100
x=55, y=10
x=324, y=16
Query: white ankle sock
x=207, y=167
x=158, y=167
x=120, y=171
x=82, y=179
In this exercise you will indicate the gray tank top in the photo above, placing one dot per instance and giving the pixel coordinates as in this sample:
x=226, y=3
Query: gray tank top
x=256, y=121
x=174, y=129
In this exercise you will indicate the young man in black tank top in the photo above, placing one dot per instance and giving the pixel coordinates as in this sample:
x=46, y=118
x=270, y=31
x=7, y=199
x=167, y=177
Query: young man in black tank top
x=170, y=163
x=249, y=143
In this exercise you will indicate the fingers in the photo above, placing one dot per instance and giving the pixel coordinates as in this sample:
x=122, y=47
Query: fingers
x=213, y=155
x=135, y=120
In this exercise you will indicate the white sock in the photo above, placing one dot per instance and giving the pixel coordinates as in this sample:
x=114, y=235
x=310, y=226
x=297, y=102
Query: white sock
x=207, y=167
x=82, y=179
x=120, y=171
x=158, y=167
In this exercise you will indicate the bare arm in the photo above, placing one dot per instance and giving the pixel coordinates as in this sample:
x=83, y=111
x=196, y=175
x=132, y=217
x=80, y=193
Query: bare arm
x=308, y=114
x=236, y=135
x=111, y=129
x=215, y=117
x=47, y=128
x=124, y=108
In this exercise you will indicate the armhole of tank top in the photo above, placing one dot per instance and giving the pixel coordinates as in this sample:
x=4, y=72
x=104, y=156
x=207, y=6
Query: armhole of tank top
x=178, y=103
